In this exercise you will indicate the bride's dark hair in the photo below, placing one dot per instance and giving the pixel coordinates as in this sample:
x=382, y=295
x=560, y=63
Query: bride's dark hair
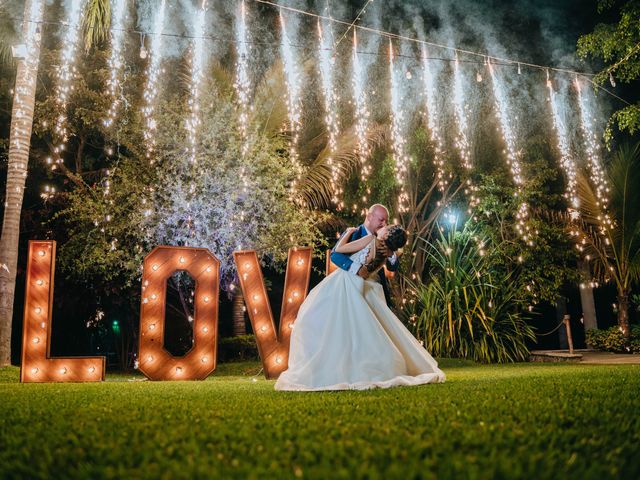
x=397, y=238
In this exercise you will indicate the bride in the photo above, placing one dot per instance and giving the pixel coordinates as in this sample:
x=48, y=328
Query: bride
x=347, y=338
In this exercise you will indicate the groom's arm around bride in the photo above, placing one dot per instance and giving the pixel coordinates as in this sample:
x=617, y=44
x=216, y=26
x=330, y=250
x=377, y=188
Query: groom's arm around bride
x=377, y=218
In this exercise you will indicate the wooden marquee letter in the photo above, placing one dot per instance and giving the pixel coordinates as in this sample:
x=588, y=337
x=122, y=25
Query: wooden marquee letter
x=37, y=366
x=154, y=361
x=273, y=347
x=330, y=267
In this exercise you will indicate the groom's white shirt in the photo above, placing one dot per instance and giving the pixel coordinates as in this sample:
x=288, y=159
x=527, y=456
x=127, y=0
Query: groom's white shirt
x=355, y=266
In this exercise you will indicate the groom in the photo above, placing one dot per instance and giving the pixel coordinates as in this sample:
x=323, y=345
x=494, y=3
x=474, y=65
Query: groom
x=377, y=217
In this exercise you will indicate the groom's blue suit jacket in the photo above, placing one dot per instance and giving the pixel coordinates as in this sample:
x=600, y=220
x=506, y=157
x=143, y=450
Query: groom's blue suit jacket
x=343, y=261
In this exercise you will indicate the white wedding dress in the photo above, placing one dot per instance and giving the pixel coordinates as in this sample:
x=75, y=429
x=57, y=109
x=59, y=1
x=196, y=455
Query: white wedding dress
x=347, y=338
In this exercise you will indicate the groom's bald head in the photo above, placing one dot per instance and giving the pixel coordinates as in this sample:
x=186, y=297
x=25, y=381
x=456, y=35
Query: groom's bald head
x=377, y=217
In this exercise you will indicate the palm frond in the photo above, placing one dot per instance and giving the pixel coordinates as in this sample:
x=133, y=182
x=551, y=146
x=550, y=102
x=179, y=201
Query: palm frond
x=8, y=37
x=269, y=105
x=96, y=22
x=315, y=188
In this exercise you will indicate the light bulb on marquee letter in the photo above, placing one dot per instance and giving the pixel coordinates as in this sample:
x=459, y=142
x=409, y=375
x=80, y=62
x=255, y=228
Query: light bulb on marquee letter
x=37, y=366
x=274, y=347
x=156, y=363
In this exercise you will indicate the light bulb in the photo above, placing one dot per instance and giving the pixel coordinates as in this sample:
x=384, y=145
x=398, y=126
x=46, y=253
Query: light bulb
x=178, y=369
x=40, y=283
x=34, y=370
x=36, y=340
x=154, y=267
x=204, y=360
x=182, y=260
x=63, y=370
x=205, y=329
x=152, y=326
x=263, y=328
x=150, y=358
x=92, y=369
x=38, y=310
x=205, y=299
x=41, y=253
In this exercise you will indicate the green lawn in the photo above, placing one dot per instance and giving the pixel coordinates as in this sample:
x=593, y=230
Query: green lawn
x=516, y=421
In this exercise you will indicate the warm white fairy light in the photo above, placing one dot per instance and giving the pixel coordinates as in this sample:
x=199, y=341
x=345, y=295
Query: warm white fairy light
x=397, y=137
x=197, y=67
x=461, y=111
x=433, y=120
x=592, y=150
x=22, y=110
x=461, y=114
x=294, y=98
x=151, y=86
x=567, y=162
x=361, y=115
x=242, y=83
x=66, y=72
x=326, y=64
x=193, y=121
x=116, y=59
x=513, y=155
x=242, y=86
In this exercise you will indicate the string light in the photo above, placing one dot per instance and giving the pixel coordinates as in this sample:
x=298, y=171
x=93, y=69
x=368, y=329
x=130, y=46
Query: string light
x=151, y=86
x=327, y=60
x=66, y=72
x=461, y=112
x=197, y=67
x=397, y=136
x=242, y=83
x=598, y=175
x=567, y=162
x=294, y=101
x=513, y=155
x=433, y=120
x=361, y=114
x=116, y=58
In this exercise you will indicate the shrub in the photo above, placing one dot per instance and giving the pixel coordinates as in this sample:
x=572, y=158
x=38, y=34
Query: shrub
x=240, y=348
x=612, y=340
x=463, y=310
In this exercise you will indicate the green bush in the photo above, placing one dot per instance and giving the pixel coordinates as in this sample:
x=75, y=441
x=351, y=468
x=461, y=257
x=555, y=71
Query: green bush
x=612, y=340
x=235, y=349
x=464, y=310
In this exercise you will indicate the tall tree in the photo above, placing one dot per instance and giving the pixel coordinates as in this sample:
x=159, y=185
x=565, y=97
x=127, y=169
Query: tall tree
x=20, y=139
x=615, y=251
x=618, y=45
x=96, y=25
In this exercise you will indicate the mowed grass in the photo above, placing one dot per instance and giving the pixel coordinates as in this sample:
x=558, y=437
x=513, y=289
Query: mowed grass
x=512, y=421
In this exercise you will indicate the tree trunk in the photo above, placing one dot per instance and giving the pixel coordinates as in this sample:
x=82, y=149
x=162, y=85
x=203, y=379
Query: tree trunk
x=586, y=298
x=623, y=314
x=19, y=143
x=239, y=325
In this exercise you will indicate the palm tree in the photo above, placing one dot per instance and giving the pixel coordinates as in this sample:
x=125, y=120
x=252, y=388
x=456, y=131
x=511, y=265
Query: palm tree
x=19, y=143
x=615, y=251
x=96, y=26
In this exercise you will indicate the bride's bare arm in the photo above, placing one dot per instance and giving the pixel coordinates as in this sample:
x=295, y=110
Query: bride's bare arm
x=344, y=246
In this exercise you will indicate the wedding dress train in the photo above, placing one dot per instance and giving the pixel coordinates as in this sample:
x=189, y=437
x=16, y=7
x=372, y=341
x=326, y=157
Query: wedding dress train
x=347, y=338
